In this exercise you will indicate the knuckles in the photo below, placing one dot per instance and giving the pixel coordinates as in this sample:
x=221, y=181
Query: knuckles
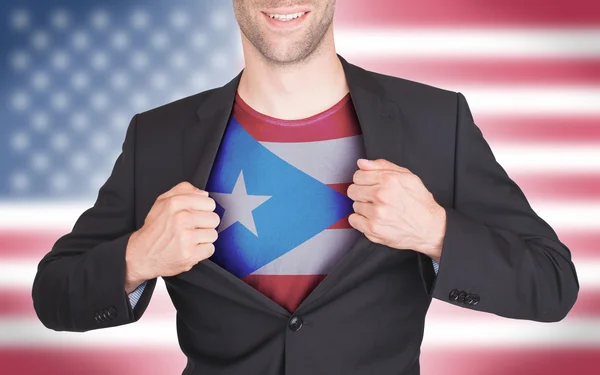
x=389, y=179
x=371, y=228
x=184, y=186
x=181, y=218
x=381, y=194
x=379, y=211
x=412, y=180
x=186, y=237
x=174, y=203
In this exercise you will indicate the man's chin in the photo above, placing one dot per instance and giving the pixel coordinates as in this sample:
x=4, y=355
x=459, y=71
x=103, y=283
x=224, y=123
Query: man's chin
x=282, y=60
x=286, y=54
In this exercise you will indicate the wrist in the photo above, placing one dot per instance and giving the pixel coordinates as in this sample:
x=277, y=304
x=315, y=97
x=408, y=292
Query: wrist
x=134, y=276
x=434, y=242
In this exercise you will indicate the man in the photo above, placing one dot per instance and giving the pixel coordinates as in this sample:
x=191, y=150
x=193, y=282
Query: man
x=298, y=216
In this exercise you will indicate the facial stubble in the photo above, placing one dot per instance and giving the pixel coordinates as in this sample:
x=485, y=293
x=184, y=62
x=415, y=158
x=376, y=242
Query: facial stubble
x=300, y=50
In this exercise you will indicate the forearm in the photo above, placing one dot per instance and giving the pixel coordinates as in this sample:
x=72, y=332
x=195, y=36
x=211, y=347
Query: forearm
x=513, y=276
x=498, y=255
x=70, y=291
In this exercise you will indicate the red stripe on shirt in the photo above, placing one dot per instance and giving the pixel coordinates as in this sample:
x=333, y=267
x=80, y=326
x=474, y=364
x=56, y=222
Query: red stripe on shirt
x=265, y=128
x=287, y=290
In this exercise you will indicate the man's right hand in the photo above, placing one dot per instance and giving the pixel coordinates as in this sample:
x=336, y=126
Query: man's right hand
x=178, y=232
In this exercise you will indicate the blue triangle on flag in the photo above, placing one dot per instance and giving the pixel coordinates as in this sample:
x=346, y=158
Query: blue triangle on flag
x=299, y=208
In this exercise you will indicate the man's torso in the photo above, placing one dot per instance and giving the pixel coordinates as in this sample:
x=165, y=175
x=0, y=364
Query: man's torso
x=280, y=188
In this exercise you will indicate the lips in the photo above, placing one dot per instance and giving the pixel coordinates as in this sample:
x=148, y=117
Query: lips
x=286, y=10
x=280, y=19
x=286, y=17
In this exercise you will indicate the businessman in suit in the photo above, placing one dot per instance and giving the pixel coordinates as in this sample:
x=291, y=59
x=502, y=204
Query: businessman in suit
x=304, y=215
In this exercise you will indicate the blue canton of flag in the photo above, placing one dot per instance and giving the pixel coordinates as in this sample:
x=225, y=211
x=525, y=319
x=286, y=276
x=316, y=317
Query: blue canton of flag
x=74, y=73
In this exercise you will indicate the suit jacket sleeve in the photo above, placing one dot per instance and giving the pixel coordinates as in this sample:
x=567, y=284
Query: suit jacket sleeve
x=496, y=247
x=80, y=283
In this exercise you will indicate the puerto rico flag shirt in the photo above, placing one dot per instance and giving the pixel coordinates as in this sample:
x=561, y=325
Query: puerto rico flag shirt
x=280, y=191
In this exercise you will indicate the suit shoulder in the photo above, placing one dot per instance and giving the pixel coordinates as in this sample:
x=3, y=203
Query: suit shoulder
x=408, y=91
x=176, y=111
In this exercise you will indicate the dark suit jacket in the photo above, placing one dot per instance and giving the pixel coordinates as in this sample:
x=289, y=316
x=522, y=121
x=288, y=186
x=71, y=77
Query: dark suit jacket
x=367, y=316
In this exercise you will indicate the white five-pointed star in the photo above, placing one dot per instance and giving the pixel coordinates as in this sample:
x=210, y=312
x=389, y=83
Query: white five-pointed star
x=238, y=206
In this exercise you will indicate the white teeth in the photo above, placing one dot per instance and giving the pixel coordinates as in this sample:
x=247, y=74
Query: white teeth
x=286, y=17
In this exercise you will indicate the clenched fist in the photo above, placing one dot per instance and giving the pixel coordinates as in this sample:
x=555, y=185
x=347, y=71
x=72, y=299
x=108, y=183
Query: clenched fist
x=178, y=232
x=393, y=207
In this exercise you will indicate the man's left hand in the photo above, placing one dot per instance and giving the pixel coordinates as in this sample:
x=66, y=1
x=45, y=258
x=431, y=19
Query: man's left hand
x=393, y=207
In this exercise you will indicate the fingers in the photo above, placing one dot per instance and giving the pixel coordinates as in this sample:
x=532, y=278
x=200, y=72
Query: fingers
x=203, y=251
x=364, y=209
x=381, y=176
x=187, y=219
x=190, y=201
x=357, y=221
x=202, y=241
x=182, y=188
x=362, y=193
x=204, y=236
x=380, y=164
x=362, y=177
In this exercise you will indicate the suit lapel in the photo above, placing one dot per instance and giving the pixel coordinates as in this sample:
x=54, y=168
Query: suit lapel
x=381, y=125
x=201, y=141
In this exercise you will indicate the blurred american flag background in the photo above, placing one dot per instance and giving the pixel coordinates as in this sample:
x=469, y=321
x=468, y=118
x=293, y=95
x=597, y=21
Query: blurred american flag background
x=74, y=73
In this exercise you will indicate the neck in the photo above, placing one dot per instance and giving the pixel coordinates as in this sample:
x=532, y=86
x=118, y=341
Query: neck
x=276, y=90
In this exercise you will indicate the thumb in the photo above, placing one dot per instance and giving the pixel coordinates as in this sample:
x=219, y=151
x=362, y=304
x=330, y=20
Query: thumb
x=379, y=164
x=369, y=164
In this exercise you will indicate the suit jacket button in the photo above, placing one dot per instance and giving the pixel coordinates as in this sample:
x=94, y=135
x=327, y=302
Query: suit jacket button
x=469, y=299
x=105, y=315
x=453, y=296
x=295, y=324
x=98, y=318
x=461, y=297
x=475, y=299
x=112, y=312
